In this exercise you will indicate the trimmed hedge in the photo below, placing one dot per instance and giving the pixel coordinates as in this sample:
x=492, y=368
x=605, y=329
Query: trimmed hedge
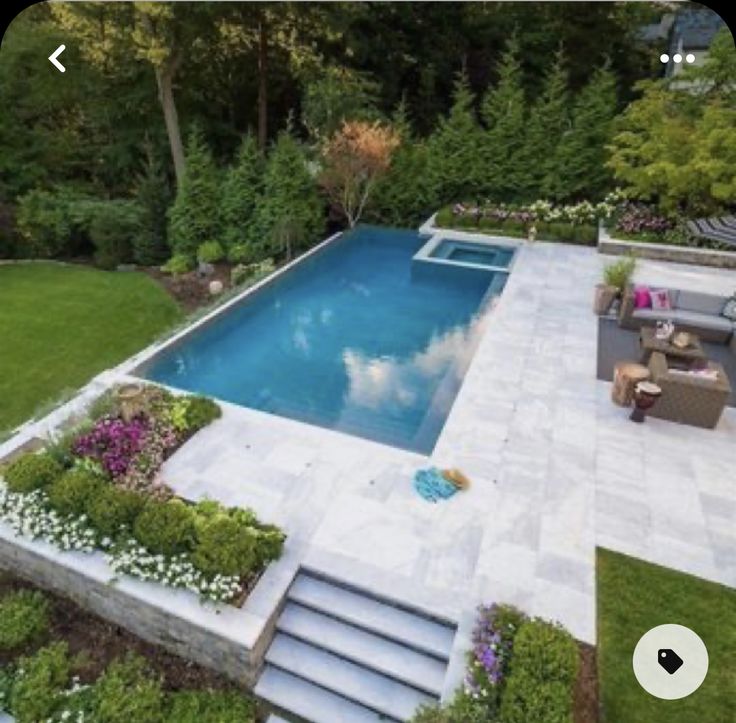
x=165, y=527
x=72, y=493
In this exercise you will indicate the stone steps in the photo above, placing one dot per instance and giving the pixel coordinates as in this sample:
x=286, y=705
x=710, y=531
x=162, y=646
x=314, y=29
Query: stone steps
x=341, y=654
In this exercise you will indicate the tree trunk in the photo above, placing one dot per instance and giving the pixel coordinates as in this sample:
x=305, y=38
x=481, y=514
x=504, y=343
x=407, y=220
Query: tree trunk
x=262, y=83
x=165, y=81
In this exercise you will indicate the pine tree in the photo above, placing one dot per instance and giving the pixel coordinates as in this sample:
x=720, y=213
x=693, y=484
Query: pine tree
x=241, y=194
x=403, y=197
x=193, y=219
x=504, y=114
x=290, y=198
x=455, y=165
x=154, y=195
x=581, y=155
x=549, y=120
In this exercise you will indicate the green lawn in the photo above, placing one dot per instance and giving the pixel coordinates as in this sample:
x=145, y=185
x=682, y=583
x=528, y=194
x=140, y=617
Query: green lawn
x=634, y=596
x=61, y=325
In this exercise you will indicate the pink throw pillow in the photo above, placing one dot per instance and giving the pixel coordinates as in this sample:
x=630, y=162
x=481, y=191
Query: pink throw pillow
x=660, y=299
x=642, y=298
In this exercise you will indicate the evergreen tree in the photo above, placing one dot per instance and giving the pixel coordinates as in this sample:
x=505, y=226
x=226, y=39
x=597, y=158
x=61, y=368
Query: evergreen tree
x=403, y=197
x=154, y=195
x=455, y=166
x=580, y=160
x=549, y=120
x=242, y=192
x=193, y=219
x=289, y=195
x=504, y=113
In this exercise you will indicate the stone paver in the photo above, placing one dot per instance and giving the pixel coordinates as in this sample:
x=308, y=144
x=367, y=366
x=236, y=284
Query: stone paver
x=556, y=468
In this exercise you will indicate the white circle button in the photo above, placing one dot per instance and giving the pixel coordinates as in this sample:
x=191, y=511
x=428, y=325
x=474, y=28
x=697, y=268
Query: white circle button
x=690, y=58
x=670, y=661
x=677, y=58
x=664, y=58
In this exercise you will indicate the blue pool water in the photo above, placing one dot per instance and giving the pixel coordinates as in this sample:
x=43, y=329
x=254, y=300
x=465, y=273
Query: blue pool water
x=348, y=339
x=474, y=253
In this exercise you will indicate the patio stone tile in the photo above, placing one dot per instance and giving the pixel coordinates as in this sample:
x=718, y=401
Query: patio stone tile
x=680, y=555
x=566, y=571
x=574, y=609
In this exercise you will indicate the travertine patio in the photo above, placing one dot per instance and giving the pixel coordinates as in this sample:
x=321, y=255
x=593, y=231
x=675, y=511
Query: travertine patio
x=556, y=470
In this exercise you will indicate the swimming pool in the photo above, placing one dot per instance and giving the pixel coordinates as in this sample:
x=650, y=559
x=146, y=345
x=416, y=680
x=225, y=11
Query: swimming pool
x=349, y=339
x=474, y=253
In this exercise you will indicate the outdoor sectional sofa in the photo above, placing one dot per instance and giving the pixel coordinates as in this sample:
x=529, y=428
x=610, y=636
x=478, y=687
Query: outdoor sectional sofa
x=692, y=311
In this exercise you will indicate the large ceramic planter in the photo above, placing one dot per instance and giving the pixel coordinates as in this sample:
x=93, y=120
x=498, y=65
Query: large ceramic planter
x=131, y=400
x=604, y=297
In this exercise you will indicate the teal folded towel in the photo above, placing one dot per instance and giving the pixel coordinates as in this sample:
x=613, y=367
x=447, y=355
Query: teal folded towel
x=432, y=486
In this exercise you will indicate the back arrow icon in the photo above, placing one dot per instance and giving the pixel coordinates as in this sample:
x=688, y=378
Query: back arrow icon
x=53, y=58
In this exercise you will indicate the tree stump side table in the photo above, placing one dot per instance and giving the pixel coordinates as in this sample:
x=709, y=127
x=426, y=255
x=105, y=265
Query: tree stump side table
x=626, y=375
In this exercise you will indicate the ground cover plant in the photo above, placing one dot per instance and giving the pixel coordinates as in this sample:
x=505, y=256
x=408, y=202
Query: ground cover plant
x=81, y=669
x=64, y=324
x=519, y=670
x=98, y=487
x=635, y=596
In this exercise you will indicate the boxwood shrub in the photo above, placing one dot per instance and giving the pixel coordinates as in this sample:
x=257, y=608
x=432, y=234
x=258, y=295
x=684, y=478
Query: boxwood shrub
x=201, y=411
x=114, y=508
x=527, y=699
x=72, y=493
x=24, y=618
x=165, y=527
x=31, y=472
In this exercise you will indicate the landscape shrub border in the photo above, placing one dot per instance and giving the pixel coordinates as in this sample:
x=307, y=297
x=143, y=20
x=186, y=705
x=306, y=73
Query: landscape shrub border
x=519, y=670
x=146, y=531
x=41, y=685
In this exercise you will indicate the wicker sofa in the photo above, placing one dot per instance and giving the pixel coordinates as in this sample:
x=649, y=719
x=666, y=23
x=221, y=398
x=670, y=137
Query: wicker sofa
x=686, y=398
x=691, y=311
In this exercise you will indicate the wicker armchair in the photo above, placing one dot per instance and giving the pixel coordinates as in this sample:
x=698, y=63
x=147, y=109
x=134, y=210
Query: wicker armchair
x=686, y=398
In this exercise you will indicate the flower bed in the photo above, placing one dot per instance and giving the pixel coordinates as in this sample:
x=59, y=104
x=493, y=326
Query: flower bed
x=520, y=670
x=98, y=487
x=572, y=224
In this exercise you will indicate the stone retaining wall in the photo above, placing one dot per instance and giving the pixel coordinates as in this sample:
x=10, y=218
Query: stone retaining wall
x=158, y=624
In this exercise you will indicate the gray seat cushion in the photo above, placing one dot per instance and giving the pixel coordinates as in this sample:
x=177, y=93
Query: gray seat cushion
x=652, y=314
x=704, y=321
x=699, y=302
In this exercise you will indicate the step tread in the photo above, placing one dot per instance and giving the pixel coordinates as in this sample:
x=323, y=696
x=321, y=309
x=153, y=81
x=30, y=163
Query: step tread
x=308, y=701
x=347, y=679
x=408, y=628
x=372, y=651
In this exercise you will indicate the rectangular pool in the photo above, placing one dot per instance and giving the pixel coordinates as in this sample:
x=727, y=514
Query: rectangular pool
x=349, y=339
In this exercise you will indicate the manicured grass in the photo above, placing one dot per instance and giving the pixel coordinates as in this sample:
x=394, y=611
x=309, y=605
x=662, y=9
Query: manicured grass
x=60, y=325
x=634, y=596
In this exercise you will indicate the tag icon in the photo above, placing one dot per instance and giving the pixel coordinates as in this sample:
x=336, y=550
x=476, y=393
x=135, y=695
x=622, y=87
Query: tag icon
x=669, y=660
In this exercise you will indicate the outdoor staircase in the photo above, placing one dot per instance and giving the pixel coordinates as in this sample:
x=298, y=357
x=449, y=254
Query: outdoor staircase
x=343, y=655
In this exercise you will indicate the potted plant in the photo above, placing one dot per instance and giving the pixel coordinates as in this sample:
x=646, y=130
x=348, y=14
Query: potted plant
x=615, y=278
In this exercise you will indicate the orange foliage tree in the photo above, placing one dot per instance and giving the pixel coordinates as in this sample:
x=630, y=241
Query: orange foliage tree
x=354, y=158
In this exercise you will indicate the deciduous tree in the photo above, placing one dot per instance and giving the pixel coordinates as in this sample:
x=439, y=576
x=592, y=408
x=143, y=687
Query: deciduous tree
x=354, y=160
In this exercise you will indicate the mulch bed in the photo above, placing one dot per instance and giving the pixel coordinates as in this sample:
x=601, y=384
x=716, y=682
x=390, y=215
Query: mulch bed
x=98, y=642
x=190, y=290
x=586, y=687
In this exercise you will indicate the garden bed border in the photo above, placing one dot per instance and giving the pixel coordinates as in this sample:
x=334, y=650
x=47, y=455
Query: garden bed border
x=609, y=245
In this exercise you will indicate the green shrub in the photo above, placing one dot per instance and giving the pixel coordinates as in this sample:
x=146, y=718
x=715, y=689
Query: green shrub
x=269, y=544
x=210, y=706
x=241, y=273
x=128, y=693
x=242, y=253
x=527, y=699
x=178, y=264
x=165, y=527
x=210, y=252
x=224, y=546
x=72, y=493
x=201, y=411
x=113, y=228
x=113, y=508
x=619, y=273
x=546, y=651
x=444, y=218
x=36, y=690
x=462, y=709
x=7, y=679
x=24, y=617
x=31, y=472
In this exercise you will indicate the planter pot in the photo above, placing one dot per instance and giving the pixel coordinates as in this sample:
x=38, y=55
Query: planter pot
x=604, y=297
x=131, y=400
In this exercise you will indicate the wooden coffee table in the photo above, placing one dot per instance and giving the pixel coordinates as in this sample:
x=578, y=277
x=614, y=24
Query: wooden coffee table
x=649, y=343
